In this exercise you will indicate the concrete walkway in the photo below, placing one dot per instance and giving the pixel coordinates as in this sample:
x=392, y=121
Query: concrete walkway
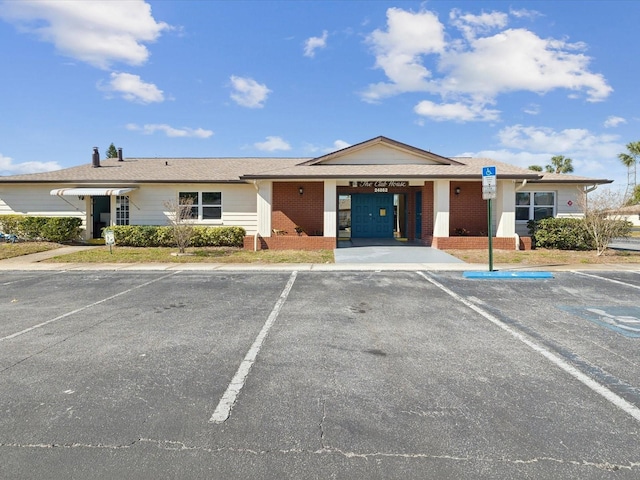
x=388, y=250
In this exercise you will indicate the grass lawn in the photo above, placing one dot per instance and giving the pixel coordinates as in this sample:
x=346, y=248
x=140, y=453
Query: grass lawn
x=542, y=256
x=102, y=254
x=10, y=250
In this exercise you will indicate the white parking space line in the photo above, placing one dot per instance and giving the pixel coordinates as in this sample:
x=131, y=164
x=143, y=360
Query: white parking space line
x=618, y=401
x=606, y=279
x=77, y=310
x=223, y=410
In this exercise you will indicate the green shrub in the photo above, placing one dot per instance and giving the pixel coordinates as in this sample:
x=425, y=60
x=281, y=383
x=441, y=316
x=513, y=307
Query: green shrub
x=10, y=223
x=135, y=235
x=561, y=234
x=162, y=236
x=31, y=227
x=218, y=236
x=52, y=229
x=61, y=229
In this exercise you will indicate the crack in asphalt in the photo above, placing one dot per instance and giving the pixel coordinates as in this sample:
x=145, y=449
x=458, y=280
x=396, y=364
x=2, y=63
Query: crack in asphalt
x=174, y=445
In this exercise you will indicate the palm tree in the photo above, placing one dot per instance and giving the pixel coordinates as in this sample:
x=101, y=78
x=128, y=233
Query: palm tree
x=629, y=159
x=560, y=164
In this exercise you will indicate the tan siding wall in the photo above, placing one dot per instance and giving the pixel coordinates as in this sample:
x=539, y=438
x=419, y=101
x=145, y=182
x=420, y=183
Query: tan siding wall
x=238, y=204
x=35, y=200
x=379, y=155
x=564, y=194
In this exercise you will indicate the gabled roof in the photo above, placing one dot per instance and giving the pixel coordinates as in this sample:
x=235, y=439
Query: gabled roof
x=432, y=157
x=404, y=161
x=469, y=168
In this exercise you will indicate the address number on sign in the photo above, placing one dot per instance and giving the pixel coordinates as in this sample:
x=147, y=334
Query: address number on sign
x=380, y=190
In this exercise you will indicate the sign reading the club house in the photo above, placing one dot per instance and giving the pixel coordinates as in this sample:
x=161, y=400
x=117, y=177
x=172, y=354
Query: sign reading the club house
x=380, y=186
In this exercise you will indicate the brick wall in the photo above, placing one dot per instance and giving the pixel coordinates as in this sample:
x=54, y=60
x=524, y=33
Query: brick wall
x=290, y=208
x=290, y=242
x=467, y=209
x=477, y=243
x=427, y=212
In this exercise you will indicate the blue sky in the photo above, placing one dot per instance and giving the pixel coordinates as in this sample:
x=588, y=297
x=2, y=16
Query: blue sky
x=516, y=81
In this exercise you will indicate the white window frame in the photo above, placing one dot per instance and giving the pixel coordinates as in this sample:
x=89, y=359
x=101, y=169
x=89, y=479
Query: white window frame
x=532, y=205
x=122, y=209
x=200, y=207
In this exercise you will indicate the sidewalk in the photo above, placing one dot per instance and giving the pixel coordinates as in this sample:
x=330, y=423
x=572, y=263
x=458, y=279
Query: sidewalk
x=33, y=262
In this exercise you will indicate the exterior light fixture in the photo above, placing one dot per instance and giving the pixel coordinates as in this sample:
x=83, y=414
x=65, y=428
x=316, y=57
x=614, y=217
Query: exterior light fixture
x=300, y=190
x=457, y=190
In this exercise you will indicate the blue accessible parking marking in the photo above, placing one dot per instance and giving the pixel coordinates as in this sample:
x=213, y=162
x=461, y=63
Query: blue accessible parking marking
x=622, y=320
x=506, y=275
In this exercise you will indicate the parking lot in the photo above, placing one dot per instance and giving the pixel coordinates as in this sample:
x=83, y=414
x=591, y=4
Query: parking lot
x=327, y=374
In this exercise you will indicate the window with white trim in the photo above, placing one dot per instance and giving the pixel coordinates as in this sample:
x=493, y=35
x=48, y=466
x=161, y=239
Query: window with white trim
x=535, y=205
x=122, y=210
x=205, y=206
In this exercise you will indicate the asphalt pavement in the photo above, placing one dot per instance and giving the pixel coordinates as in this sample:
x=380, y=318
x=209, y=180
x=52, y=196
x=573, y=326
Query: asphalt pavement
x=185, y=374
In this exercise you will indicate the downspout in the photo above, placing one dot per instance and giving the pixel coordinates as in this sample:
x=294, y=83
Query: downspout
x=520, y=187
x=587, y=190
x=255, y=237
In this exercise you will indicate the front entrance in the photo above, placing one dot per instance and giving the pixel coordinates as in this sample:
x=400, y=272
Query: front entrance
x=372, y=215
x=100, y=213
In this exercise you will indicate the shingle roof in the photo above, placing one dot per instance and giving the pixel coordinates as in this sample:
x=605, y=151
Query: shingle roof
x=159, y=170
x=240, y=170
x=564, y=178
x=467, y=168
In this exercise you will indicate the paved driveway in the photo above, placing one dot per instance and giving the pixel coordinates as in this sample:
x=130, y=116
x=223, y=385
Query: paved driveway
x=205, y=374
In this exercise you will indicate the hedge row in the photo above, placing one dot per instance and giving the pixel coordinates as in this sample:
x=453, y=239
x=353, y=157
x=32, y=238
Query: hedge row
x=569, y=233
x=162, y=236
x=50, y=229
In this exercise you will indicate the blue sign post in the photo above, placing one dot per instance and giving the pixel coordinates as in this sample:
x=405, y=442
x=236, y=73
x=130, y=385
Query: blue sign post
x=489, y=188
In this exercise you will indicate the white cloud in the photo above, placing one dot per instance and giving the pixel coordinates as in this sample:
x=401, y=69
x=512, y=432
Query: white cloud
x=593, y=155
x=472, y=25
x=249, y=93
x=337, y=145
x=547, y=139
x=8, y=167
x=455, y=111
x=417, y=55
x=169, y=131
x=532, y=109
x=524, y=13
x=96, y=32
x=340, y=144
x=132, y=88
x=519, y=60
x=399, y=51
x=272, y=144
x=313, y=43
x=614, y=121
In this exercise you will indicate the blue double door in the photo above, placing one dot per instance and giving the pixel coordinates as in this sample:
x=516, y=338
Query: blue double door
x=372, y=215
